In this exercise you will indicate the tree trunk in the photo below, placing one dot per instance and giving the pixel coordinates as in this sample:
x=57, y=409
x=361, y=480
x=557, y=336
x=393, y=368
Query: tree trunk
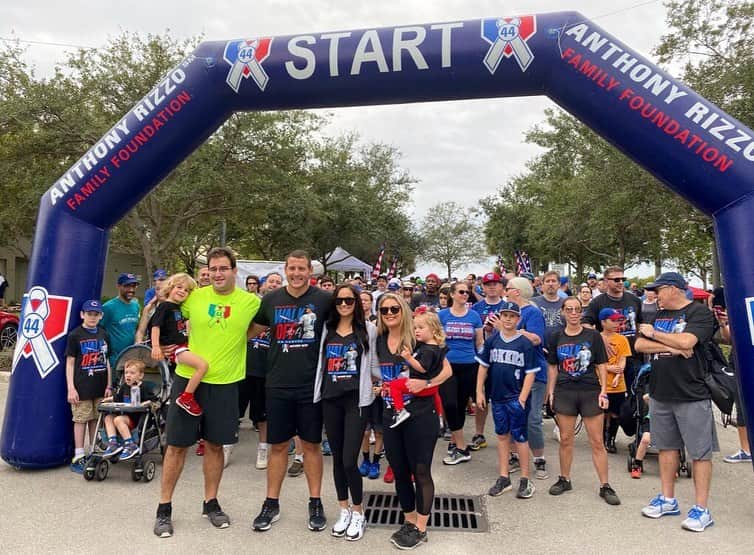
x=658, y=266
x=716, y=279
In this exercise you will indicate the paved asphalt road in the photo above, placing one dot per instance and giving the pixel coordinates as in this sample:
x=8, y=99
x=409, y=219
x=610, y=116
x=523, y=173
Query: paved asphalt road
x=56, y=511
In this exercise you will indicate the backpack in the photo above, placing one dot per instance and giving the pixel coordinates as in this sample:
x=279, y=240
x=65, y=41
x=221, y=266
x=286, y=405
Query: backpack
x=718, y=376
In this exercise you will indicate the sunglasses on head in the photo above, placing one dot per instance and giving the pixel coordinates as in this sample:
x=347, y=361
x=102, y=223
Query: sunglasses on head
x=348, y=301
x=617, y=279
x=390, y=309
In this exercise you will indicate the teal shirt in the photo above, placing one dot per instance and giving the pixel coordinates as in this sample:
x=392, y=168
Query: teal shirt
x=120, y=320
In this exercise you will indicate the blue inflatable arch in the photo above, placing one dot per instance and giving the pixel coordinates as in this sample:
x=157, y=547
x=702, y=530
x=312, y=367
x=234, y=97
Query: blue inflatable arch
x=695, y=148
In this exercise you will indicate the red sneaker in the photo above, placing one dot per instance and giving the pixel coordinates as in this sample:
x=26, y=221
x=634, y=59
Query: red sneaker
x=200, y=448
x=389, y=477
x=187, y=402
x=636, y=472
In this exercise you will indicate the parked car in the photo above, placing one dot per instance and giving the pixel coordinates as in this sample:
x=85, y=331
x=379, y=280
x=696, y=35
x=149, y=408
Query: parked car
x=8, y=330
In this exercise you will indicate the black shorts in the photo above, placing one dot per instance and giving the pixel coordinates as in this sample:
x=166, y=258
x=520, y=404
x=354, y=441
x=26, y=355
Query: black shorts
x=574, y=402
x=615, y=401
x=740, y=420
x=257, y=395
x=373, y=415
x=291, y=412
x=218, y=423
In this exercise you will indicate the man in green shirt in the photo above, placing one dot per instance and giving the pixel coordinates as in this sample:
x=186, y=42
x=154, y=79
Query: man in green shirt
x=219, y=317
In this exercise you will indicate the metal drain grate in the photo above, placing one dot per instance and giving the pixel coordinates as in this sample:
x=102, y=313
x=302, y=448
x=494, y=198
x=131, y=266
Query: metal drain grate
x=460, y=513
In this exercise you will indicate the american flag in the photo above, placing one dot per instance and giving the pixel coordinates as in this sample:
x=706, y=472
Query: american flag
x=523, y=263
x=393, y=268
x=501, y=265
x=378, y=265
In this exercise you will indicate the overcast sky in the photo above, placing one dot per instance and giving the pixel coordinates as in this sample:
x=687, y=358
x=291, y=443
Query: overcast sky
x=446, y=146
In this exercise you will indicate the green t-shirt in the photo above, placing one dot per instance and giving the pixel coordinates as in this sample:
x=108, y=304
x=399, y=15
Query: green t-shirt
x=217, y=332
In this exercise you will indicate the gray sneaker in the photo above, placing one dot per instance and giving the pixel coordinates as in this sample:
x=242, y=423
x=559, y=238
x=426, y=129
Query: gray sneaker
x=456, y=457
x=525, y=489
x=211, y=510
x=163, y=526
x=540, y=472
x=296, y=468
x=513, y=465
x=502, y=485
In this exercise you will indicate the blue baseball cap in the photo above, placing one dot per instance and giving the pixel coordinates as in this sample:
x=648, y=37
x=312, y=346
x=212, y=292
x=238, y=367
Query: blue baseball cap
x=610, y=314
x=127, y=279
x=160, y=274
x=508, y=306
x=92, y=305
x=668, y=278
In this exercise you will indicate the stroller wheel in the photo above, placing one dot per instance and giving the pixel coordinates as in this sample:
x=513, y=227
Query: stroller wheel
x=687, y=470
x=632, y=450
x=630, y=462
x=88, y=475
x=101, y=470
x=149, y=471
x=136, y=472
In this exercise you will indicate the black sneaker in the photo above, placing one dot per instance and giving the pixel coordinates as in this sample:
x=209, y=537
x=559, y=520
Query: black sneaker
x=502, y=485
x=608, y=494
x=211, y=510
x=561, y=486
x=270, y=513
x=408, y=537
x=163, y=526
x=525, y=488
x=317, y=519
x=514, y=465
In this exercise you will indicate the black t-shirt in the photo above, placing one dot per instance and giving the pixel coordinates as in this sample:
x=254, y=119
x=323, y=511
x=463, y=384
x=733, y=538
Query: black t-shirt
x=295, y=330
x=147, y=392
x=256, y=355
x=167, y=316
x=342, y=356
x=431, y=358
x=391, y=367
x=675, y=378
x=90, y=349
x=577, y=357
x=629, y=305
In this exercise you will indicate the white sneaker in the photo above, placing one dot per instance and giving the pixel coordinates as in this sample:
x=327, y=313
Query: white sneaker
x=556, y=433
x=698, y=519
x=400, y=418
x=356, y=527
x=342, y=524
x=262, y=455
x=227, y=450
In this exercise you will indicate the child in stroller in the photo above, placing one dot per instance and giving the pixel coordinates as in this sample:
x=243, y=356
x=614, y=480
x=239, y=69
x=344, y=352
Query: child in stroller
x=143, y=423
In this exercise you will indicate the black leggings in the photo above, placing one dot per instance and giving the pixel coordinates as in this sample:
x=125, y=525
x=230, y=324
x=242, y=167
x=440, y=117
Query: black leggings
x=409, y=449
x=456, y=391
x=345, y=426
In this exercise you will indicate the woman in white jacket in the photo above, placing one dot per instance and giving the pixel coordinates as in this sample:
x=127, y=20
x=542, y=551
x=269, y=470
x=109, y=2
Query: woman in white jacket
x=347, y=362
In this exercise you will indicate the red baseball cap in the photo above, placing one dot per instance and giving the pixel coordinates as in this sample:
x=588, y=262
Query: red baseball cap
x=432, y=276
x=492, y=277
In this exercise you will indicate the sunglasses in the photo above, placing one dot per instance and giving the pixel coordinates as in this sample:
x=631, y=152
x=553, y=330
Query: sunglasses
x=574, y=309
x=617, y=279
x=462, y=292
x=389, y=310
x=348, y=301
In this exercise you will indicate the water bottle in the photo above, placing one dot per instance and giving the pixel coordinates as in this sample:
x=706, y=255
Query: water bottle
x=135, y=395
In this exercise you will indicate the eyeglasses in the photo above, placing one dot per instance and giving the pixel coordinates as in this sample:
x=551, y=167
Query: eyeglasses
x=218, y=269
x=511, y=289
x=462, y=292
x=573, y=309
x=617, y=279
x=389, y=309
x=348, y=301
x=408, y=288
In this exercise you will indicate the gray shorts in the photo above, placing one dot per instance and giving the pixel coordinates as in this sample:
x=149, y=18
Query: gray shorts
x=692, y=424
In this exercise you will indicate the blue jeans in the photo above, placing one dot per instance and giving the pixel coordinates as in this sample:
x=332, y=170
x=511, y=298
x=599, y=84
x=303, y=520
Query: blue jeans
x=534, y=423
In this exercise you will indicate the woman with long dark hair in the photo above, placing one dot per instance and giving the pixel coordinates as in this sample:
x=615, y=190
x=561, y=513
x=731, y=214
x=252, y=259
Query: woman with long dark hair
x=348, y=358
x=410, y=446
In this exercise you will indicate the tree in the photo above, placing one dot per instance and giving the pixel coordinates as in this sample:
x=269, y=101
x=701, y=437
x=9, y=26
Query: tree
x=451, y=235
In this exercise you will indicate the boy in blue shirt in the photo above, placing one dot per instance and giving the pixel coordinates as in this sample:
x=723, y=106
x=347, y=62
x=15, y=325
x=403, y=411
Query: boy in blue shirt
x=509, y=359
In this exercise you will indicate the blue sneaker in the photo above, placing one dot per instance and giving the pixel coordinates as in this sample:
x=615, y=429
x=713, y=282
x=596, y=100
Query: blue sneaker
x=374, y=470
x=698, y=519
x=130, y=450
x=113, y=448
x=78, y=465
x=326, y=451
x=365, y=467
x=660, y=506
x=741, y=456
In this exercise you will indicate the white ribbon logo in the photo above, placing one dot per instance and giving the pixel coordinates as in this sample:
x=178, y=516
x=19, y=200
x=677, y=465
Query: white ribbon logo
x=246, y=64
x=508, y=33
x=36, y=311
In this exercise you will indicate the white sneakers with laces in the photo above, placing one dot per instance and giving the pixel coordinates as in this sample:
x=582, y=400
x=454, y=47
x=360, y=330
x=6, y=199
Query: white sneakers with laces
x=342, y=524
x=356, y=527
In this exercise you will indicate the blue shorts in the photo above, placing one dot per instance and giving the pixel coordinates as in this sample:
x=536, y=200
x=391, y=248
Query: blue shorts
x=511, y=418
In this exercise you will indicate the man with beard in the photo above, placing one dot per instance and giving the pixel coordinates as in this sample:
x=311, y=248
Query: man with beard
x=431, y=298
x=121, y=316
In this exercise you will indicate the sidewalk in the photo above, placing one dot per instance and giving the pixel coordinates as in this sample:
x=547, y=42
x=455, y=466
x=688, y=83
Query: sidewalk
x=57, y=511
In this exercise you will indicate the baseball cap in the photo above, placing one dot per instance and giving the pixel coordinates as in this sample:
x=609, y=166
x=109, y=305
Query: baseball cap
x=394, y=284
x=563, y=280
x=668, y=278
x=527, y=275
x=610, y=314
x=407, y=284
x=92, y=305
x=591, y=275
x=508, y=306
x=127, y=279
x=432, y=276
x=160, y=274
x=492, y=277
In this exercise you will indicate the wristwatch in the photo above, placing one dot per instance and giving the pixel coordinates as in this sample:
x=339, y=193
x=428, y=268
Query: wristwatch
x=429, y=383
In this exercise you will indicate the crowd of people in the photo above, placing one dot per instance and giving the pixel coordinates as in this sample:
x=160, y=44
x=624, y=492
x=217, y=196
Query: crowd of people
x=387, y=367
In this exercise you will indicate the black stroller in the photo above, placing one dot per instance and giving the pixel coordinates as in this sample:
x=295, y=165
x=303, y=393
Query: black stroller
x=149, y=431
x=639, y=413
